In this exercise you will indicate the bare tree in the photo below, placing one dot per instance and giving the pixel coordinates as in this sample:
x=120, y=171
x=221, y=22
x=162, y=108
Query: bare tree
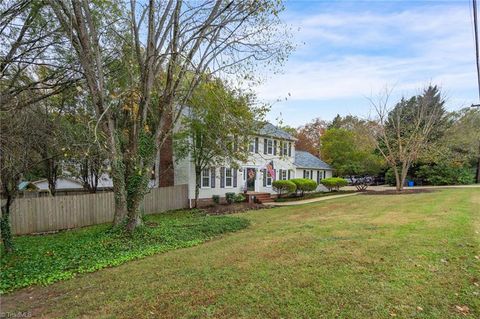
x=404, y=131
x=21, y=131
x=30, y=72
x=163, y=49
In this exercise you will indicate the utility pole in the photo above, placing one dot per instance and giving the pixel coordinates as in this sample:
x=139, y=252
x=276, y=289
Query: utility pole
x=475, y=31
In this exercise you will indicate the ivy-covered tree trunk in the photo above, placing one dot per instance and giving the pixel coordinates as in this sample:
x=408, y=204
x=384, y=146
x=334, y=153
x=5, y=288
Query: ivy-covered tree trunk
x=120, y=199
x=139, y=161
x=5, y=226
x=136, y=184
x=117, y=174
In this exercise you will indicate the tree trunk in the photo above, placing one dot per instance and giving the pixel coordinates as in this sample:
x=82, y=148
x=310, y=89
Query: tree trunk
x=398, y=182
x=134, y=214
x=118, y=179
x=404, y=174
x=137, y=177
x=5, y=226
x=136, y=189
x=197, y=186
x=51, y=168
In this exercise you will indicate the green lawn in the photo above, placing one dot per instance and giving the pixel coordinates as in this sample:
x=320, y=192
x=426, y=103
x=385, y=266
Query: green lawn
x=366, y=256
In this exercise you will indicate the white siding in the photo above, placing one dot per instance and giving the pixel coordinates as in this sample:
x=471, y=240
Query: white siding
x=320, y=188
x=185, y=172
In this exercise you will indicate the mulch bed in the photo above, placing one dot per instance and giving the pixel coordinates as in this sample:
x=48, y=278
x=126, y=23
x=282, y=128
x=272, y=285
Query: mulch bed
x=224, y=209
x=394, y=192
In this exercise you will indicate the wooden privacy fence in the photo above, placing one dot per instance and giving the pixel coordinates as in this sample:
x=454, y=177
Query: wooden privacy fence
x=44, y=214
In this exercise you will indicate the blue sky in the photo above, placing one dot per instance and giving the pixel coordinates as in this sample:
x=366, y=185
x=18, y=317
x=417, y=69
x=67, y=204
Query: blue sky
x=348, y=50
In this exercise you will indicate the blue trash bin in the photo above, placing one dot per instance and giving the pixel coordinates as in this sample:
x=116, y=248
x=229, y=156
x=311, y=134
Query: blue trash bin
x=410, y=183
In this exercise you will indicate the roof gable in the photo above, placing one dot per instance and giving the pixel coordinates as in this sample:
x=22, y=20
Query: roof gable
x=271, y=130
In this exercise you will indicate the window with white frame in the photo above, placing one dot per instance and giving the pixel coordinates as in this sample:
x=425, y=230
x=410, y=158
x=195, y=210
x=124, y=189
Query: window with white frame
x=270, y=147
x=283, y=174
x=285, y=149
x=268, y=179
x=251, y=146
x=206, y=178
x=228, y=177
x=307, y=174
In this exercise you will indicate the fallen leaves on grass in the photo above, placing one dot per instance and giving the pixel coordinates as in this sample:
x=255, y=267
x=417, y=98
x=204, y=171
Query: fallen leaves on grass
x=464, y=310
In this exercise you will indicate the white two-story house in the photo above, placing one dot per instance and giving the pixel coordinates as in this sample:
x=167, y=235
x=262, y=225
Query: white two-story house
x=272, y=156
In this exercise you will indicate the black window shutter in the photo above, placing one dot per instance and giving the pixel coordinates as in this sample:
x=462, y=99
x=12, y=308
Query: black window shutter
x=264, y=146
x=279, y=174
x=288, y=174
x=311, y=174
x=304, y=173
x=275, y=147
x=212, y=177
x=235, y=177
x=289, y=149
x=318, y=177
x=264, y=177
x=222, y=177
x=324, y=174
x=256, y=144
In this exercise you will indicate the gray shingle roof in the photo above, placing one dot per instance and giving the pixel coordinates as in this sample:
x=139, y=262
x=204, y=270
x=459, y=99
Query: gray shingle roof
x=271, y=130
x=307, y=160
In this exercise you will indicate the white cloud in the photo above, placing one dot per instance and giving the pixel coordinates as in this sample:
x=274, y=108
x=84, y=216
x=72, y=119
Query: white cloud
x=351, y=55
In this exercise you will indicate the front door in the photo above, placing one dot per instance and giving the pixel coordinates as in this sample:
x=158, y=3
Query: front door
x=251, y=177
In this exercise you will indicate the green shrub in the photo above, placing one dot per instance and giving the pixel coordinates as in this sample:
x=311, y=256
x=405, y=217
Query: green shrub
x=304, y=185
x=216, y=199
x=230, y=197
x=334, y=183
x=284, y=187
x=239, y=198
x=390, y=177
x=444, y=174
